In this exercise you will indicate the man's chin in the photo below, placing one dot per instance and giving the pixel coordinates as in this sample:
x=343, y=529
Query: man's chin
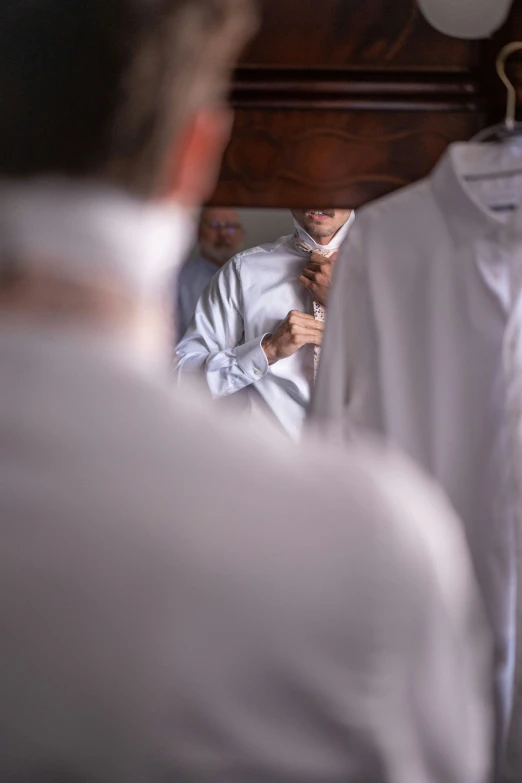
x=319, y=231
x=217, y=256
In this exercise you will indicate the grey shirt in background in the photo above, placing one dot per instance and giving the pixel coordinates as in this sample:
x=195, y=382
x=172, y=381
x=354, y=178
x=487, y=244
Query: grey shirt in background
x=193, y=278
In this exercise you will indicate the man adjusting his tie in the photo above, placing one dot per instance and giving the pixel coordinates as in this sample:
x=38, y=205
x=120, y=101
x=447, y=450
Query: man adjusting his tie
x=258, y=327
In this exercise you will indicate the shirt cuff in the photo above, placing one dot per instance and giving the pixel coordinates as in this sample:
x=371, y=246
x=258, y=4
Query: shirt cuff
x=252, y=359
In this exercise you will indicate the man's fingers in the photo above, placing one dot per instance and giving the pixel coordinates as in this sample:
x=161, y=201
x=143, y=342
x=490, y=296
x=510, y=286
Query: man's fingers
x=309, y=282
x=315, y=325
x=297, y=329
x=319, y=258
x=299, y=317
x=313, y=266
x=312, y=286
x=309, y=338
x=308, y=326
x=309, y=334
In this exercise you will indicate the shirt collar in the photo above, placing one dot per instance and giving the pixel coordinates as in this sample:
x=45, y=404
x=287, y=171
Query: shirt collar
x=334, y=243
x=92, y=233
x=465, y=215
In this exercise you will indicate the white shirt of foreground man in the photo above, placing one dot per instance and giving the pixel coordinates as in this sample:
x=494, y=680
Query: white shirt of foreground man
x=152, y=631
x=413, y=350
x=247, y=300
x=255, y=630
x=252, y=631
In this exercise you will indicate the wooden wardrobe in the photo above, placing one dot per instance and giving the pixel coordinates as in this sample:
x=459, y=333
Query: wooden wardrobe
x=341, y=101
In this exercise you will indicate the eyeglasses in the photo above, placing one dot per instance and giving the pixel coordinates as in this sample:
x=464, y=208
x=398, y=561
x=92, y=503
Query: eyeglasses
x=218, y=225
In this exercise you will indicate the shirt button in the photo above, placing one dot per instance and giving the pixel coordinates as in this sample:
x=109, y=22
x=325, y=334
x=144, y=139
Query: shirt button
x=257, y=372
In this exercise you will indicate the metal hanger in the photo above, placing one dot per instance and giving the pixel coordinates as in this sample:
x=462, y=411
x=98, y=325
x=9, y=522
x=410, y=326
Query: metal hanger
x=508, y=129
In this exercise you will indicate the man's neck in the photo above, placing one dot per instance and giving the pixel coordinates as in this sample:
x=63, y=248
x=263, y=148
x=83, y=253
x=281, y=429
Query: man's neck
x=323, y=241
x=38, y=297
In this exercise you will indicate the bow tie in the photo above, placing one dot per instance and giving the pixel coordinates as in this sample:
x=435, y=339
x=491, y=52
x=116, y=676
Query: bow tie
x=305, y=247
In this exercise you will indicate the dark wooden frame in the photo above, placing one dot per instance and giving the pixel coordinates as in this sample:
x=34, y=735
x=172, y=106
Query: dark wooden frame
x=339, y=118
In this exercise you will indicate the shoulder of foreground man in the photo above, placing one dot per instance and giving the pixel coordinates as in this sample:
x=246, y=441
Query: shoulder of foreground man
x=366, y=480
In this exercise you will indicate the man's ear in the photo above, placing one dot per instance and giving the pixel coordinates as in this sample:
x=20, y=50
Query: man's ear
x=196, y=155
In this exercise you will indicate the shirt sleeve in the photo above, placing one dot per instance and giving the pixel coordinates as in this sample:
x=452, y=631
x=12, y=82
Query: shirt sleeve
x=214, y=342
x=347, y=393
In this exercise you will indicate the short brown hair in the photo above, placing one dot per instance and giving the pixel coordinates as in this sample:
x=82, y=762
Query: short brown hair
x=99, y=88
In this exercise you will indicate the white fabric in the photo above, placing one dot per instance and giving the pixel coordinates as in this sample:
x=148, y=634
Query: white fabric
x=92, y=234
x=175, y=603
x=466, y=18
x=413, y=350
x=246, y=300
x=513, y=370
x=193, y=278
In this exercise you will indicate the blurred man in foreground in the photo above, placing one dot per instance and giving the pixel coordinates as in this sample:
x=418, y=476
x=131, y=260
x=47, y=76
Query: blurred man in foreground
x=220, y=237
x=308, y=616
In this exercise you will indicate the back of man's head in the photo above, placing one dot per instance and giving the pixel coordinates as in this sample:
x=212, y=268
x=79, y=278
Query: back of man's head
x=99, y=88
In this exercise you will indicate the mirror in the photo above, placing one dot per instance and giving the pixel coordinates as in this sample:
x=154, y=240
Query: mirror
x=222, y=233
x=251, y=308
x=265, y=225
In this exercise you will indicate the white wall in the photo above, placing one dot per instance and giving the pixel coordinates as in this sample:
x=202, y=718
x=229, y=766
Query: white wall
x=262, y=225
x=265, y=225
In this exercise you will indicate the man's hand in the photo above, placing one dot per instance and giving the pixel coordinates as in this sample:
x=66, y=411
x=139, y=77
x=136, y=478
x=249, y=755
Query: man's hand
x=296, y=330
x=317, y=275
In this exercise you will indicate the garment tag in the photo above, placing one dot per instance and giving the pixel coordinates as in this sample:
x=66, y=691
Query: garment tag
x=506, y=199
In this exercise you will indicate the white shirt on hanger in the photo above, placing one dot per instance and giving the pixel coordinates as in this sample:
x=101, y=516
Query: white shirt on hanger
x=413, y=350
x=513, y=370
x=246, y=300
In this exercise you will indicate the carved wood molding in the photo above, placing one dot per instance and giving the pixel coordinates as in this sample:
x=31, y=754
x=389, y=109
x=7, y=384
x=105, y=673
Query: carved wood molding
x=259, y=158
x=332, y=158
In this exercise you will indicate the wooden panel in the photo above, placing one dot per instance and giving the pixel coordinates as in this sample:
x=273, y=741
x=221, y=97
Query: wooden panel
x=365, y=33
x=332, y=159
x=340, y=101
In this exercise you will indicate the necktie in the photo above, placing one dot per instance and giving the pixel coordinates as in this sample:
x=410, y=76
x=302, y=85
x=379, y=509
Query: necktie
x=319, y=310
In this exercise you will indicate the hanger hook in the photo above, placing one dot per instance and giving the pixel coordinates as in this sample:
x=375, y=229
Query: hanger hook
x=511, y=105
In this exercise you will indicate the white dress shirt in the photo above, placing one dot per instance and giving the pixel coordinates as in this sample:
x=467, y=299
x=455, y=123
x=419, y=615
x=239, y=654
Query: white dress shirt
x=193, y=278
x=177, y=604
x=246, y=300
x=244, y=628
x=413, y=350
x=513, y=369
